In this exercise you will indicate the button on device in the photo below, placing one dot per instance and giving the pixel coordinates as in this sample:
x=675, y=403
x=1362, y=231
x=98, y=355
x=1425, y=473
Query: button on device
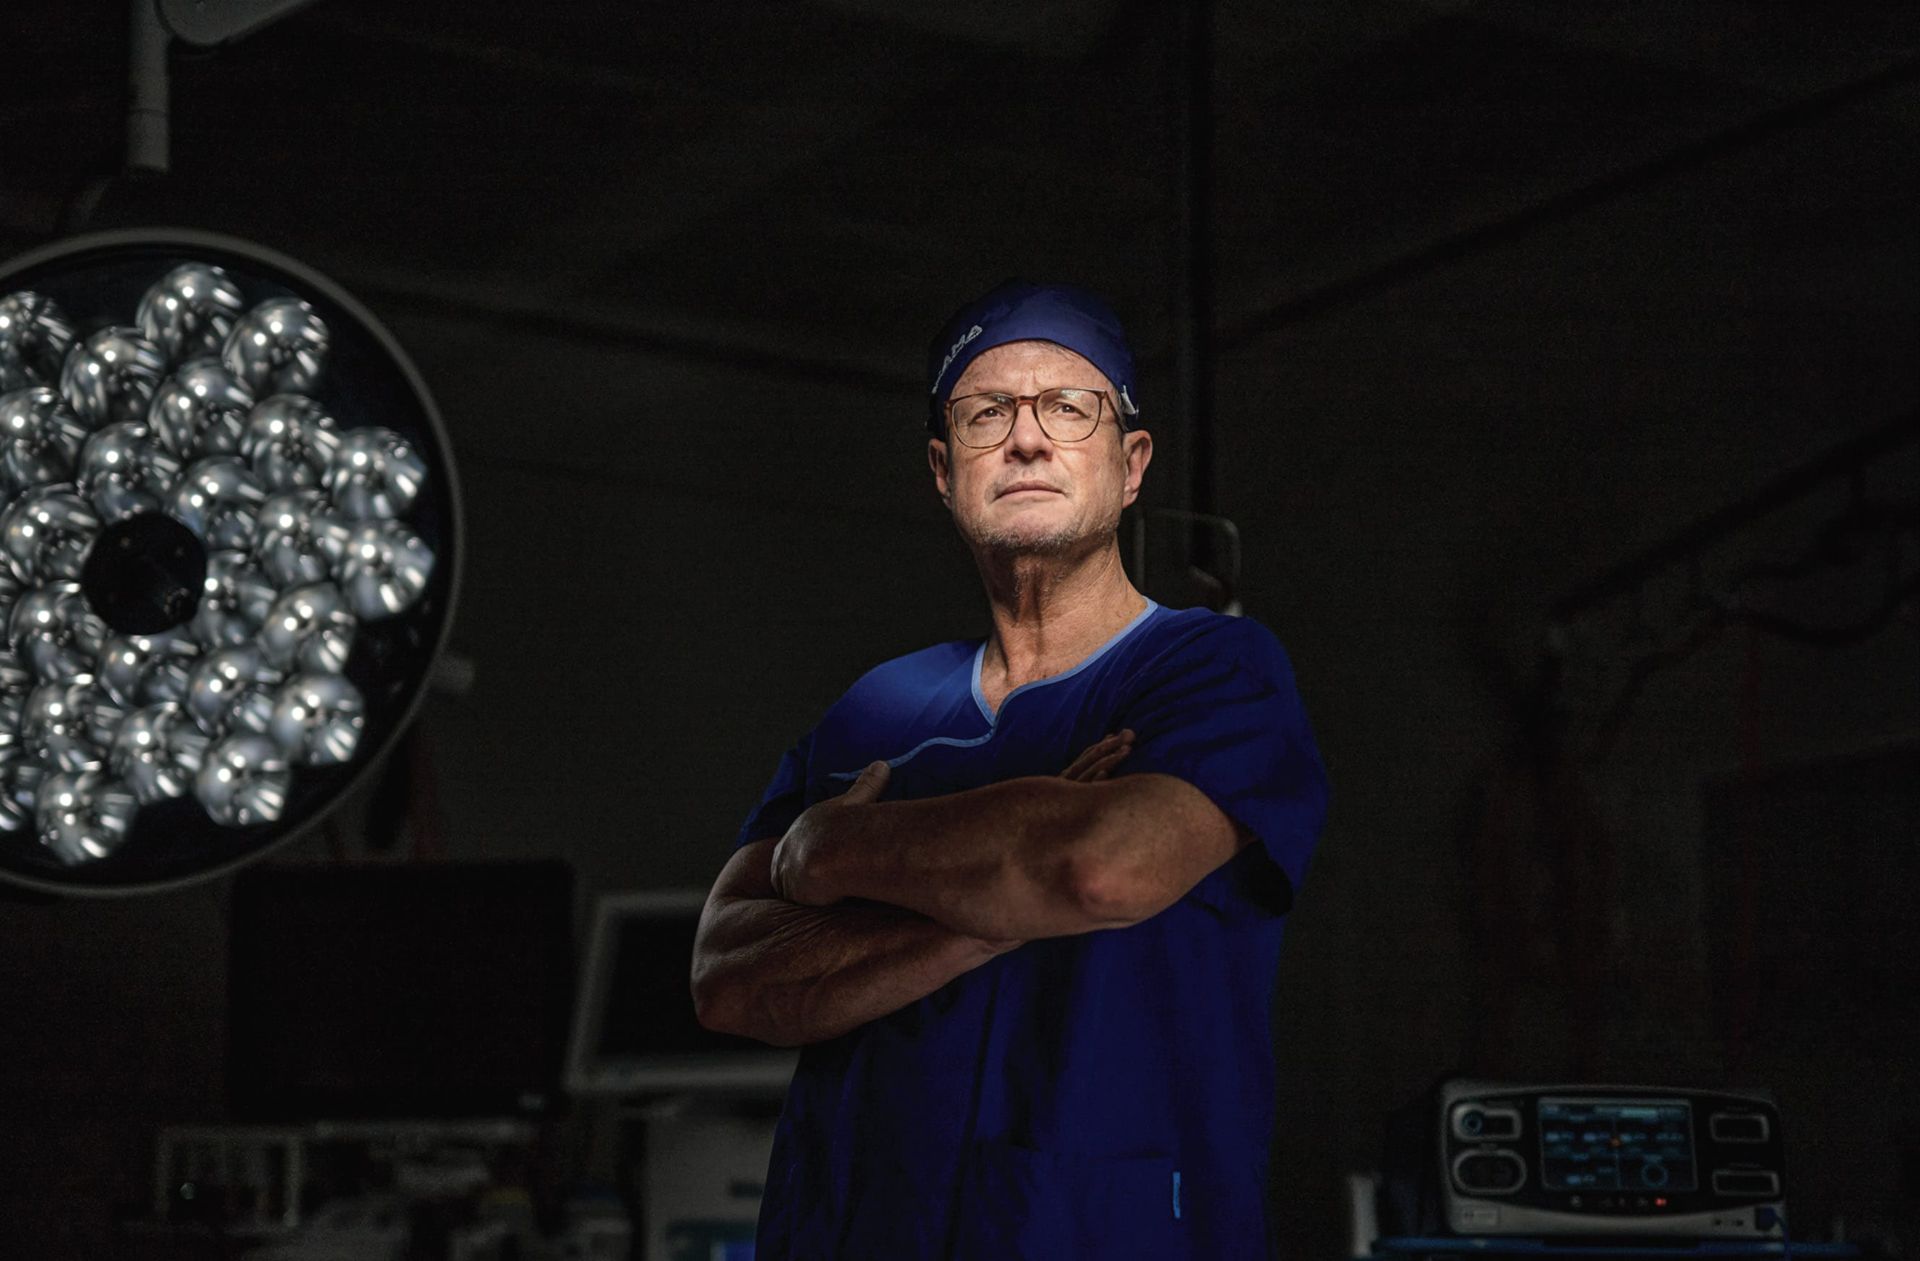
x=1475, y=1217
x=1738, y=1127
x=1489, y=1172
x=1746, y=1182
x=1473, y=1122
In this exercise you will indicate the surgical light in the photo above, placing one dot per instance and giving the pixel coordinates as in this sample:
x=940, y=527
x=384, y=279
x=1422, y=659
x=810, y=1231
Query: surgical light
x=229, y=543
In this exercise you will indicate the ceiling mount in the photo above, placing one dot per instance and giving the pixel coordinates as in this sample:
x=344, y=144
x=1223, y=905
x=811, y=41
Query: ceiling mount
x=206, y=23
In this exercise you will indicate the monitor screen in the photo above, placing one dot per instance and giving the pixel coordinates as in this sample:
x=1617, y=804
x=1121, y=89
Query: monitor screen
x=425, y=990
x=635, y=1029
x=1616, y=1145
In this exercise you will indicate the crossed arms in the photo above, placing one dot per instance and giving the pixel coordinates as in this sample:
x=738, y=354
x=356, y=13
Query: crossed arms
x=865, y=906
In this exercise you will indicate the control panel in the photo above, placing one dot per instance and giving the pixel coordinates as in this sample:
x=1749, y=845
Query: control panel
x=1609, y=1160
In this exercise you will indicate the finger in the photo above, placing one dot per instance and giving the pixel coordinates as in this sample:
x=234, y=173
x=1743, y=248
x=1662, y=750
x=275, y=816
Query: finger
x=1098, y=768
x=1093, y=753
x=776, y=870
x=870, y=783
x=1106, y=743
x=1080, y=764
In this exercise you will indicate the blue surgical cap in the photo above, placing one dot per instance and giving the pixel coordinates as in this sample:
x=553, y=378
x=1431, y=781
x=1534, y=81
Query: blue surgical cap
x=1020, y=311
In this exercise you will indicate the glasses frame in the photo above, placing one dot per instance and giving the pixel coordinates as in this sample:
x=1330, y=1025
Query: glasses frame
x=1033, y=402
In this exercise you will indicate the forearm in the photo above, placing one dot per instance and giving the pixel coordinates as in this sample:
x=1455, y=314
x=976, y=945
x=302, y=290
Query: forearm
x=1009, y=860
x=790, y=975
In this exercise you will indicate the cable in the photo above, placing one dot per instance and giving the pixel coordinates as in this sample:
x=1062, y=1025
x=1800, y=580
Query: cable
x=1896, y=595
x=1710, y=613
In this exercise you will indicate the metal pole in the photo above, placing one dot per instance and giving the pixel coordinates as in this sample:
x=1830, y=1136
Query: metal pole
x=147, y=105
x=1193, y=325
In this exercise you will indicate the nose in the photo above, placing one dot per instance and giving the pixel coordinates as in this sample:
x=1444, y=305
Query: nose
x=1027, y=435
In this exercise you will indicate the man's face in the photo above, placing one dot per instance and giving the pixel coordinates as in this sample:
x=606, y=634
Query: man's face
x=1032, y=495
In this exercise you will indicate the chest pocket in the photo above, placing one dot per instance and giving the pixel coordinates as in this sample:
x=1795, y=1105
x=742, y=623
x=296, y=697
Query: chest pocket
x=1027, y=1205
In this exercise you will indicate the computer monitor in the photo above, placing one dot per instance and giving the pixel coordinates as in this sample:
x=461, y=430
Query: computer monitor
x=634, y=1029
x=418, y=990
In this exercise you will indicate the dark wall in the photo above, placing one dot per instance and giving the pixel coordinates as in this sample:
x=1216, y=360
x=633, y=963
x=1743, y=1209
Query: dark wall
x=677, y=558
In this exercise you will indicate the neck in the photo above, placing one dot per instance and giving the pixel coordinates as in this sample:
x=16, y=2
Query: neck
x=1049, y=612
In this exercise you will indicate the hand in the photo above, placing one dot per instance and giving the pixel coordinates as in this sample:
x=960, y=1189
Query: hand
x=1100, y=758
x=1093, y=765
x=797, y=856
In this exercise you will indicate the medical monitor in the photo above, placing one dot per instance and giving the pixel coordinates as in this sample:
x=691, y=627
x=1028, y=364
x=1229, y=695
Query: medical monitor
x=413, y=990
x=634, y=1029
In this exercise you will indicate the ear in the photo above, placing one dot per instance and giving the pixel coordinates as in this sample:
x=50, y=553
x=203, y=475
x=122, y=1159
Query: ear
x=942, y=470
x=1138, y=447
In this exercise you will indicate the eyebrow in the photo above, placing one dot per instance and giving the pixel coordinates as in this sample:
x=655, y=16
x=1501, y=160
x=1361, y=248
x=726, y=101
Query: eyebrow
x=1057, y=385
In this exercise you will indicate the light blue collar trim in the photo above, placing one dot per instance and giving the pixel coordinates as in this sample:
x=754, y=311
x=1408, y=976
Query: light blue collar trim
x=980, y=655
x=980, y=698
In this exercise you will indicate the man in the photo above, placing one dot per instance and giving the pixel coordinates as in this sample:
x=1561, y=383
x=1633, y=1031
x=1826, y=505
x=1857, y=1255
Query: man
x=1034, y=1004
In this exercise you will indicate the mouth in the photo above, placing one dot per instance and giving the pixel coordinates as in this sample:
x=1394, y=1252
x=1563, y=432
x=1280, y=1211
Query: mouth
x=1028, y=488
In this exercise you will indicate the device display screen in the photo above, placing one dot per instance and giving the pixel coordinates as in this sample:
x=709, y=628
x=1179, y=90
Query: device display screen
x=1616, y=1145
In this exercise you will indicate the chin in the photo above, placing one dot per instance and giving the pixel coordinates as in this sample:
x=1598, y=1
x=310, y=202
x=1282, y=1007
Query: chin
x=1031, y=541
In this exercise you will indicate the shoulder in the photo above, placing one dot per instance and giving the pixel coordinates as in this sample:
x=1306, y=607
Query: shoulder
x=1183, y=640
x=898, y=688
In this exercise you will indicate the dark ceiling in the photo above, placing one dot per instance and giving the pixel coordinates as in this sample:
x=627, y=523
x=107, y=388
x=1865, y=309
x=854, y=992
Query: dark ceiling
x=812, y=185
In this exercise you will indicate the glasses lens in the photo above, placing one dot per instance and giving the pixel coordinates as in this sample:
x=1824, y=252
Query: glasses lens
x=1066, y=414
x=982, y=420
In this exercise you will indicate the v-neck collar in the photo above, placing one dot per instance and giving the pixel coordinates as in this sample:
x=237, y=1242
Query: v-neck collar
x=980, y=654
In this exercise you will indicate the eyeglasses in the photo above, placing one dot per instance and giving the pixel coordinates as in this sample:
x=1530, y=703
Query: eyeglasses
x=1066, y=414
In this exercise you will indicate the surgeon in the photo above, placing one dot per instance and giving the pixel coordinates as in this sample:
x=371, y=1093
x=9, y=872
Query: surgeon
x=1019, y=899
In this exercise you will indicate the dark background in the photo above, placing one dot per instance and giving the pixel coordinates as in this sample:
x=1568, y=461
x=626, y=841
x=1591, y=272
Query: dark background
x=1504, y=293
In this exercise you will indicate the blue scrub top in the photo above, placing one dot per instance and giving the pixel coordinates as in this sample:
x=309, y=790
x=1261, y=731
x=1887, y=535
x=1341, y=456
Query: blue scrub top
x=1107, y=1095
